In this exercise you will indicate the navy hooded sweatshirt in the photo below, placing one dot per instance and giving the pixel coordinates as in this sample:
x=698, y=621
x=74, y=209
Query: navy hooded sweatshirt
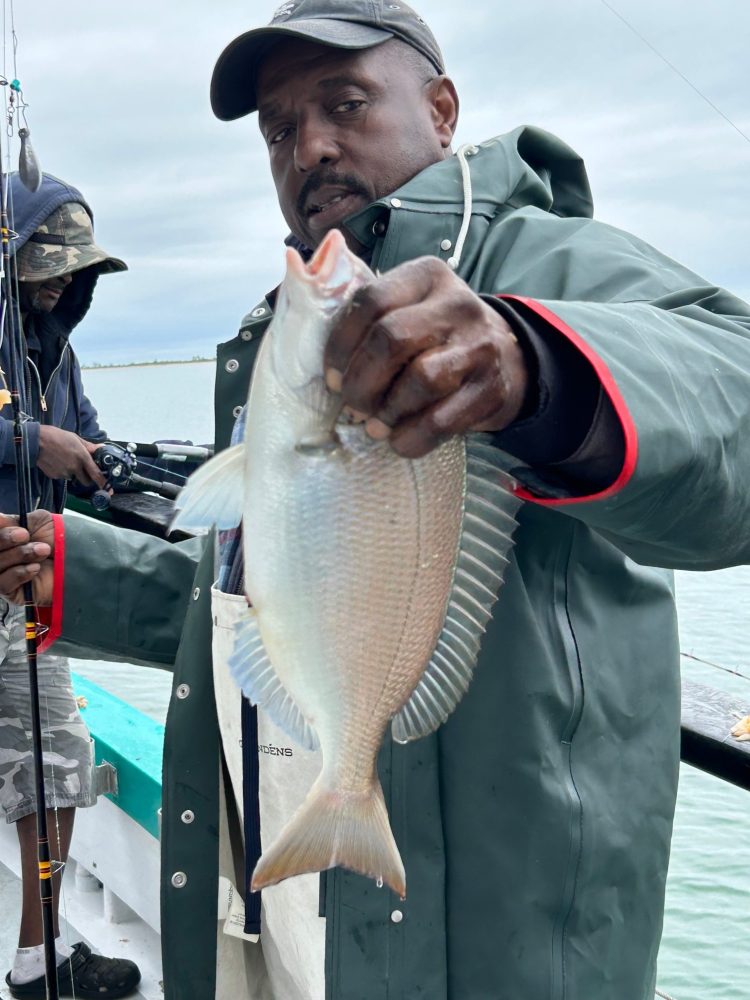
x=48, y=372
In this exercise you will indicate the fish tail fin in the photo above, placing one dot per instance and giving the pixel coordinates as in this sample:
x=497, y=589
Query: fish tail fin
x=331, y=829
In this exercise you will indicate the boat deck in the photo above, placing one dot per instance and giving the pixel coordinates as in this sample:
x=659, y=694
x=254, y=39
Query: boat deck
x=110, y=894
x=111, y=927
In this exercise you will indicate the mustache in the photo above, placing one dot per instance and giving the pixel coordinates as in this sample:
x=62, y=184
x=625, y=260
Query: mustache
x=315, y=182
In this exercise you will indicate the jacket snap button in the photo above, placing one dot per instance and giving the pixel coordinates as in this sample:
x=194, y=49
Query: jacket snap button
x=446, y=245
x=246, y=334
x=232, y=365
x=378, y=228
x=397, y=916
x=188, y=816
x=395, y=202
x=179, y=880
x=196, y=593
x=260, y=311
x=183, y=690
x=236, y=411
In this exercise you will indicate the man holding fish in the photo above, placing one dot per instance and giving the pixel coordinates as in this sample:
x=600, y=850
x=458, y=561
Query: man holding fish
x=526, y=808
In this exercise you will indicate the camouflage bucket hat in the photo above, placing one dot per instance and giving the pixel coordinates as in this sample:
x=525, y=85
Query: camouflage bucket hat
x=63, y=243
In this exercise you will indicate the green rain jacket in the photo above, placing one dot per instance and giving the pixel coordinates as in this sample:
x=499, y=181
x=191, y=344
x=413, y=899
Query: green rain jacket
x=535, y=824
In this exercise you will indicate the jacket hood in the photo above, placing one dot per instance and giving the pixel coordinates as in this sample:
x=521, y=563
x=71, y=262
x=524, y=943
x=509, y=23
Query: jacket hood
x=27, y=210
x=525, y=167
x=522, y=168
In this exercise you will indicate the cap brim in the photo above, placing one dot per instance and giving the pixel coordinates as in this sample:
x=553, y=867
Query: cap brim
x=233, y=90
x=43, y=261
x=111, y=265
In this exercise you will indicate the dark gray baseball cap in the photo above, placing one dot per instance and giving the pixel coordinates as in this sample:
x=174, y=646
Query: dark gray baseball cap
x=343, y=24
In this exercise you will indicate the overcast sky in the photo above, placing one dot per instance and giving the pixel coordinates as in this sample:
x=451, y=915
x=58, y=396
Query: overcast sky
x=118, y=96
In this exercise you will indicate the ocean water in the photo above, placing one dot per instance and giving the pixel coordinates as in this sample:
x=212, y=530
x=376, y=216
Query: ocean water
x=705, y=953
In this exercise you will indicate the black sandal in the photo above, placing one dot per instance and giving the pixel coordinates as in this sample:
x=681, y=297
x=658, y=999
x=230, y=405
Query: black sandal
x=84, y=975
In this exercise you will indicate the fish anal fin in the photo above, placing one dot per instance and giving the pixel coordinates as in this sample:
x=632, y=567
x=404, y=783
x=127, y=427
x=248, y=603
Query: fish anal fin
x=252, y=670
x=486, y=539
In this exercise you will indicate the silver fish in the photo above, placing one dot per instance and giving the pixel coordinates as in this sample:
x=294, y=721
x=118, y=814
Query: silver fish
x=371, y=576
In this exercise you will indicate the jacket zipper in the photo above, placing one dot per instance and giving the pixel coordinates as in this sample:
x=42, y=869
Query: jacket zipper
x=44, y=392
x=46, y=488
x=42, y=400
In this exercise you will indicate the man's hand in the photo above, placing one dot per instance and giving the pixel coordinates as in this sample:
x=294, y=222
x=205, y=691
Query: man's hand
x=64, y=455
x=27, y=555
x=421, y=357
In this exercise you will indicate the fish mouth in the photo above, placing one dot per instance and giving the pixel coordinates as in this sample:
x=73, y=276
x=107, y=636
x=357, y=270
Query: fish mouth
x=323, y=261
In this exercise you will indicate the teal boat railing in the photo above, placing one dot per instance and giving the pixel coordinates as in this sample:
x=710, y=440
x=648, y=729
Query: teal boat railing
x=132, y=744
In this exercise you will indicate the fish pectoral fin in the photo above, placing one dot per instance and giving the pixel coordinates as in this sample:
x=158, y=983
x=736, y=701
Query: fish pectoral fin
x=214, y=494
x=251, y=668
x=486, y=539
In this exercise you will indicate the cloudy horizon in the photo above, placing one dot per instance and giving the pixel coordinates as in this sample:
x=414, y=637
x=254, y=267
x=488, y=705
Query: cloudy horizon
x=118, y=107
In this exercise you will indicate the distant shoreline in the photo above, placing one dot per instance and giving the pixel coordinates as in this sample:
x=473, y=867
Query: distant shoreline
x=146, y=364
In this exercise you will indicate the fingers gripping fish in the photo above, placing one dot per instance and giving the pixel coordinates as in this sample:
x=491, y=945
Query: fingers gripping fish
x=371, y=576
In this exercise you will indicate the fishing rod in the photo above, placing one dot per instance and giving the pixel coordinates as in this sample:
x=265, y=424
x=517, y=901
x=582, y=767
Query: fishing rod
x=170, y=450
x=31, y=177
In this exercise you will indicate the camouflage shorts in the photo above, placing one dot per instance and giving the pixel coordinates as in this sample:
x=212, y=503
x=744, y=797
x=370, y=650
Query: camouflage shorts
x=67, y=746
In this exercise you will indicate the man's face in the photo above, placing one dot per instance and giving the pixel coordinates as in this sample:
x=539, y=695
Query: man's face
x=42, y=296
x=344, y=128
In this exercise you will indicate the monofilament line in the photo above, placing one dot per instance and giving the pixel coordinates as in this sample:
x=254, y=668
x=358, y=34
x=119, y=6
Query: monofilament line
x=674, y=69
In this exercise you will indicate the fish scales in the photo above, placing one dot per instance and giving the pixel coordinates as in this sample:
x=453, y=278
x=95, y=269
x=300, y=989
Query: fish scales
x=370, y=575
x=372, y=539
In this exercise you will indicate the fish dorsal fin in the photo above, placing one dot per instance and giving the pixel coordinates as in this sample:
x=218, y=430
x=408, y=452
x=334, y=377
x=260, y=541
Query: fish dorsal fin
x=251, y=668
x=214, y=493
x=486, y=537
